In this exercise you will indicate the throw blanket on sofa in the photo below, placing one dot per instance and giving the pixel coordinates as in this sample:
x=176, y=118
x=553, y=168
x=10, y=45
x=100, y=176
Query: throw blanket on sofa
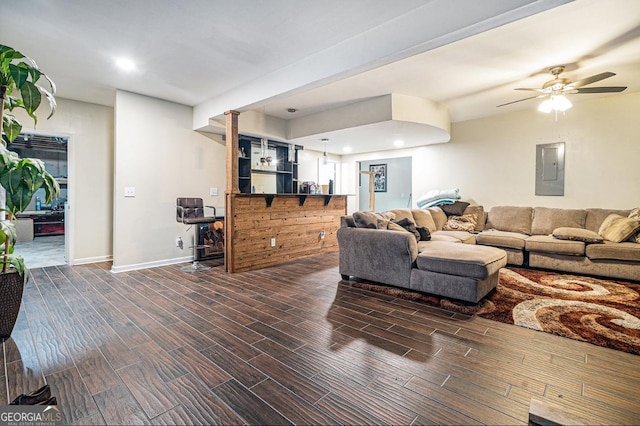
x=438, y=196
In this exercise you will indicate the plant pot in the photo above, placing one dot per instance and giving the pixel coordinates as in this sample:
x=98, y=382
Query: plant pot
x=11, y=287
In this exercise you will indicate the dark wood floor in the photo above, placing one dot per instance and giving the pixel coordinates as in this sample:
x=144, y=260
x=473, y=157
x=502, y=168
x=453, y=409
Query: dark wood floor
x=290, y=344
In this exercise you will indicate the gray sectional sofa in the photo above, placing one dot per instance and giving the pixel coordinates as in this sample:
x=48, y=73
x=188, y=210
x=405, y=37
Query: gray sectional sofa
x=521, y=235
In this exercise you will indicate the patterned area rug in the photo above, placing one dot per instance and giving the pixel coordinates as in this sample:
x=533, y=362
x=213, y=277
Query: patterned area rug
x=598, y=311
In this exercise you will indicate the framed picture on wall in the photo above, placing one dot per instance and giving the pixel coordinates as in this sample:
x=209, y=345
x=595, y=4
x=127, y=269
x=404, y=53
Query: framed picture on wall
x=379, y=177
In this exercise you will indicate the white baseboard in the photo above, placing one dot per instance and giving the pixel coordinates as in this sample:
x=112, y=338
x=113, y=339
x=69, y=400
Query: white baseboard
x=96, y=259
x=134, y=267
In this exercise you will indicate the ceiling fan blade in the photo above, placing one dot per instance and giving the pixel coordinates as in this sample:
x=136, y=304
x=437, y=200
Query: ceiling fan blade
x=610, y=89
x=591, y=79
x=530, y=90
x=520, y=100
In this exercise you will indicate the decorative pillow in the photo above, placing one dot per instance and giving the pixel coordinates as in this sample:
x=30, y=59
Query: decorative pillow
x=424, y=218
x=425, y=234
x=465, y=222
x=577, y=234
x=370, y=219
x=406, y=225
x=392, y=226
x=455, y=209
x=608, y=221
x=635, y=214
x=619, y=229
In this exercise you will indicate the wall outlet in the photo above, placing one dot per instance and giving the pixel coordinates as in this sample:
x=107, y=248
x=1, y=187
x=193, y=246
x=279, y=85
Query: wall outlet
x=273, y=242
x=322, y=234
x=129, y=191
x=179, y=243
x=213, y=192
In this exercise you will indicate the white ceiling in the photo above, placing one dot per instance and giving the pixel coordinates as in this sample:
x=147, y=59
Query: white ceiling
x=193, y=51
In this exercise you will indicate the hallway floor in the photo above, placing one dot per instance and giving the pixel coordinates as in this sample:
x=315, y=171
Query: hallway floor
x=42, y=251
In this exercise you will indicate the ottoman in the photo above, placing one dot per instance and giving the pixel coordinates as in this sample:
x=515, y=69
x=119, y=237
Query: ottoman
x=458, y=271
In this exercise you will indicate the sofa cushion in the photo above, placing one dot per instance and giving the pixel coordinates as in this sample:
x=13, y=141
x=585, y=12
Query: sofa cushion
x=423, y=218
x=617, y=229
x=439, y=218
x=403, y=214
x=547, y=244
x=463, y=260
x=442, y=236
x=455, y=209
x=462, y=236
x=460, y=223
x=514, y=240
x=614, y=251
x=479, y=214
x=577, y=234
x=545, y=219
x=370, y=219
x=510, y=219
x=595, y=217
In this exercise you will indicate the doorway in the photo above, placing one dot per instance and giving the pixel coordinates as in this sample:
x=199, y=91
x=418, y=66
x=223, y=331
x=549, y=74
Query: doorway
x=392, y=183
x=42, y=227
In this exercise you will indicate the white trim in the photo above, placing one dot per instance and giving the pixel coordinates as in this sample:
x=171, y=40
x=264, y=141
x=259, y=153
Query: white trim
x=86, y=260
x=69, y=207
x=134, y=267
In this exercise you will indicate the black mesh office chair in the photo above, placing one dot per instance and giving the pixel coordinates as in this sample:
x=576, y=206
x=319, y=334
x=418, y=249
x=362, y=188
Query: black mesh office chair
x=190, y=211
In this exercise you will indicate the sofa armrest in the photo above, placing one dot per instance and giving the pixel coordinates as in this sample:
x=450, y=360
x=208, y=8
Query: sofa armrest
x=377, y=254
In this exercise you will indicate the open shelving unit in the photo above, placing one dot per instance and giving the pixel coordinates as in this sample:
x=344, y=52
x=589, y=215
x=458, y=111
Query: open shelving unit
x=284, y=172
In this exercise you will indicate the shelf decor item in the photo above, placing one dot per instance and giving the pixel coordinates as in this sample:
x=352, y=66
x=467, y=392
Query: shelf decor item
x=20, y=177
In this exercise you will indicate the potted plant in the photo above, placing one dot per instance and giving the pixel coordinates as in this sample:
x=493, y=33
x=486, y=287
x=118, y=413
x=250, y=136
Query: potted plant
x=20, y=178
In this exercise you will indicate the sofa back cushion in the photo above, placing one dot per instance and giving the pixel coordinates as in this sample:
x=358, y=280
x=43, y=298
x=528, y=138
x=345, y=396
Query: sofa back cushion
x=479, y=214
x=510, y=219
x=595, y=217
x=370, y=219
x=439, y=218
x=546, y=219
x=424, y=219
x=402, y=214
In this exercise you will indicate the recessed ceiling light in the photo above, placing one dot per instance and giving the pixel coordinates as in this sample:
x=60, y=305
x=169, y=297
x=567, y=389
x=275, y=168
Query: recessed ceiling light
x=291, y=110
x=346, y=149
x=398, y=143
x=125, y=64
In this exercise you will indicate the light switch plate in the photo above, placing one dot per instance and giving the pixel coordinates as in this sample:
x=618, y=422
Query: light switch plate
x=213, y=191
x=129, y=191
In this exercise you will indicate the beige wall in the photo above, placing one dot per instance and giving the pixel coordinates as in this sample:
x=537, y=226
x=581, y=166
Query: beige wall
x=90, y=131
x=492, y=160
x=158, y=153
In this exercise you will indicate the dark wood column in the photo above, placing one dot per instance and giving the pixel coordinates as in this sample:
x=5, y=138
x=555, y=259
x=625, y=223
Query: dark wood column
x=232, y=185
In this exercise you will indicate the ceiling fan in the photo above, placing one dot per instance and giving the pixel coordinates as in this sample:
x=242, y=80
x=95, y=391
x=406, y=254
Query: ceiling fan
x=558, y=87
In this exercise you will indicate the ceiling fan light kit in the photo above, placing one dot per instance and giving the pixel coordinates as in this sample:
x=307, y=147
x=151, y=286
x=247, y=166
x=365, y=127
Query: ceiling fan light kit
x=557, y=88
x=555, y=103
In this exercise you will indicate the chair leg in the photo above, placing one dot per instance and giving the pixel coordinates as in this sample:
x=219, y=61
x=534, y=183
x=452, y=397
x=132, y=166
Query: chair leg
x=195, y=265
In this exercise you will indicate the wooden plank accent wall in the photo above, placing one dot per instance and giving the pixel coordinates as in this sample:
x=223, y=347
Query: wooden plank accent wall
x=296, y=228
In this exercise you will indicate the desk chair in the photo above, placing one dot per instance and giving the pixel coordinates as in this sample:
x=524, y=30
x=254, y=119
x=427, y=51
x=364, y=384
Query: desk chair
x=190, y=211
